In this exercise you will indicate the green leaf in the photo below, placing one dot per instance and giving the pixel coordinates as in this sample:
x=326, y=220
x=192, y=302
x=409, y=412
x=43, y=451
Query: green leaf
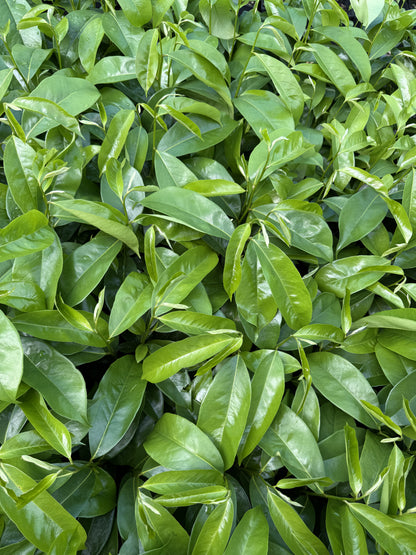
x=72, y=94
x=353, y=273
x=232, y=264
x=6, y=76
x=292, y=529
x=178, y=444
x=290, y=438
x=115, y=404
x=195, y=323
x=138, y=12
x=179, y=141
x=56, y=378
x=285, y=84
x=334, y=68
x=52, y=326
x=24, y=235
x=215, y=532
x=207, y=495
x=147, y=59
x=267, y=388
x=176, y=481
x=219, y=17
x=19, y=167
x=320, y=332
x=286, y=284
x=356, y=222
x=48, y=108
x=390, y=534
x=182, y=276
x=97, y=214
x=157, y=528
x=25, y=443
x=224, y=409
x=250, y=536
x=214, y=187
x=52, y=520
x=263, y=110
x=172, y=358
x=191, y=209
x=353, y=48
x=368, y=11
x=132, y=300
x=171, y=172
x=11, y=360
x=205, y=71
x=159, y=8
x=89, y=42
x=115, y=137
x=353, y=460
x=113, y=69
x=43, y=267
x=342, y=384
x=267, y=157
x=85, y=267
x=47, y=426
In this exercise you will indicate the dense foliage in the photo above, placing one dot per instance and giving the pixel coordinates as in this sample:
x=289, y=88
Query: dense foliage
x=207, y=272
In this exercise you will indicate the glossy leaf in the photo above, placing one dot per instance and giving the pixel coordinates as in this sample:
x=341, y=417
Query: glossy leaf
x=223, y=412
x=342, y=384
x=291, y=438
x=115, y=405
x=267, y=387
x=26, y=234
x=191, y=209
x=49, y=427
x=292, y=528
x=216, y=530
x=168, y=360
x=132, y=300
x=11, y=360
x=287, y=286
x=178, y=444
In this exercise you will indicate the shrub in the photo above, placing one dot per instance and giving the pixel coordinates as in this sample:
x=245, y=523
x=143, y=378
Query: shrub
x=207, y=262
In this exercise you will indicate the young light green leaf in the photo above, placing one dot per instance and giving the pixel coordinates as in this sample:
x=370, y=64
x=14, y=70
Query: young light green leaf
x=171, y=358
x=100, y=215
x=115, y=138
x=232, y=264
x=47, y=426
x=147, y=59
x=53, y=521
x=353, y=460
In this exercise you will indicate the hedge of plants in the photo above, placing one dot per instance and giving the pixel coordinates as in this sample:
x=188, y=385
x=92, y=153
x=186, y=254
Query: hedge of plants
x=207, y=277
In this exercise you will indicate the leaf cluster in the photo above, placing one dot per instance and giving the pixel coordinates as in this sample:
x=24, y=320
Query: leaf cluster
x=207, y=277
